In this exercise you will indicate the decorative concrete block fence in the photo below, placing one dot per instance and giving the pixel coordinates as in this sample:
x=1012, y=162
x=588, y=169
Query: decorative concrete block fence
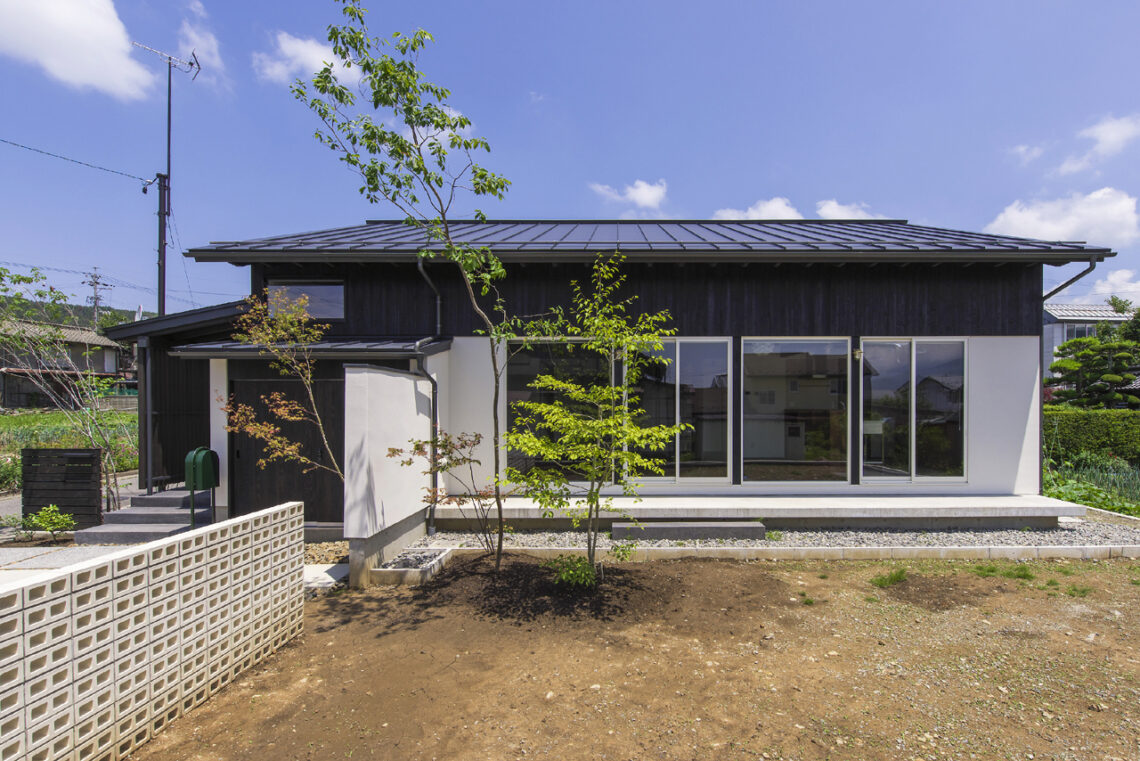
x=98, y=657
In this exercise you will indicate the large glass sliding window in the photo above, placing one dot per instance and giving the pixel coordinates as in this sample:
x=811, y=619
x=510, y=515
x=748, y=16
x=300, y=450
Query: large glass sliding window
x=794, y=410
x=657, y=397
x=560, y=360
x=702, y=384
x=913, y=394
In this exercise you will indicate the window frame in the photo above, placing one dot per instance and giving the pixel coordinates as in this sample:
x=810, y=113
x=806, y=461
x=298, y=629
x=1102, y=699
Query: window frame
x=273, y=282
x=847, y=432
x=913, y=476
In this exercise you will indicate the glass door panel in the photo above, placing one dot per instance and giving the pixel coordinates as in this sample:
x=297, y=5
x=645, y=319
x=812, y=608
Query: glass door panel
x=886, y=409
x=658, y=399
x=940, y=373
x=702, y=373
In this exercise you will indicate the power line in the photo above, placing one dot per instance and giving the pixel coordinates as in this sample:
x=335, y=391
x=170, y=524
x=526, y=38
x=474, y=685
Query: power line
x=143, y=180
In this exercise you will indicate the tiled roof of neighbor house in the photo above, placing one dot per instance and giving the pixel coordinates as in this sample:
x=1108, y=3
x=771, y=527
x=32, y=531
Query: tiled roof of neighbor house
x=1084, y=313
x=68, y=333
x=744, y=240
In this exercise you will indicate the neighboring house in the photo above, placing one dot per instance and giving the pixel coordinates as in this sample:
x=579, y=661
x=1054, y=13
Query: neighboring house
x=1064, y=322
x=82, y=350
x=798, y=344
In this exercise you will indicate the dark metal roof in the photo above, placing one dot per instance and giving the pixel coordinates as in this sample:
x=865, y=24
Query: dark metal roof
x=661, y=240
x=218, y=314
x=347, y=348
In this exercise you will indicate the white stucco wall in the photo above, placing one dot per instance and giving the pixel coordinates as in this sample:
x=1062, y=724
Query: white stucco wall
x=382, y=409
x=219, y=439
x=469, y=401
x=1003, y=415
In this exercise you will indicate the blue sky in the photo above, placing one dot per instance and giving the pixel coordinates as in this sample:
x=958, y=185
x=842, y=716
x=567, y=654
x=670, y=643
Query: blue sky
x=1016, y=117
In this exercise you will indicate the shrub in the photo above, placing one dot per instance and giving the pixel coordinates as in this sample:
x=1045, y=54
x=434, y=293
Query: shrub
x=574, y=571
x=51, y=520
x=22, y=524
x=1070, y=431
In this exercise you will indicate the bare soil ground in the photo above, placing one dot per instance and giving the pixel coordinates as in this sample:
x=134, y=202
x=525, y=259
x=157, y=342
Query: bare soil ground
x=699, y=659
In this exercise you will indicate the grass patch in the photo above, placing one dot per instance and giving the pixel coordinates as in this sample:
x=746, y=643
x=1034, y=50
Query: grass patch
x=808, y=601
x=774, y=536
x=1078, y=591
x=823, y=576
x=1019, y=572
x=985, y=571
x=870, y=598
x=1136, y=582
x=885, y=580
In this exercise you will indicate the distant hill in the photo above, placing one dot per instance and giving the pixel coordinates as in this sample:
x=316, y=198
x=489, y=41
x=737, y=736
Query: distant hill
x=82, y=315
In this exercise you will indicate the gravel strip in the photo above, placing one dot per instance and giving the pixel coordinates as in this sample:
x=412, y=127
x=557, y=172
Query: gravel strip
x=326, y=553
x=1076, y=533
x=410, y=558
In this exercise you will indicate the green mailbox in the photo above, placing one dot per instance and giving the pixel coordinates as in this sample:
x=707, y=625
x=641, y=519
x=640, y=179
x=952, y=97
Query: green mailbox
x=201, y=473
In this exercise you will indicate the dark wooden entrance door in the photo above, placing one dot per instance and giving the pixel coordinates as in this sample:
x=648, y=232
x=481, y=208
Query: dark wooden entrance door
x=253, y=488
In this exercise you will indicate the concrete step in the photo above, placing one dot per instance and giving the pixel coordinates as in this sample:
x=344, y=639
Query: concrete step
x=688, y=530
x=128, y=533
x=171, y=498
x=127, y=515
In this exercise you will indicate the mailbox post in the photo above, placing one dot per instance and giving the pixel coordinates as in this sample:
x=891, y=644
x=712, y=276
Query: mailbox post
x=202, y=468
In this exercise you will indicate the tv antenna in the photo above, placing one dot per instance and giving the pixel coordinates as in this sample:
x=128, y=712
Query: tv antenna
x=163, y=180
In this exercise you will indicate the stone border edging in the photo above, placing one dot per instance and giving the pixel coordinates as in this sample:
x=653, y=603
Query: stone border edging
x=1006, y=552
x=413, y=577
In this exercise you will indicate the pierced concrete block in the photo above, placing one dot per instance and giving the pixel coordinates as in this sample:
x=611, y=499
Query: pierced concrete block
x=161, y=645
x=11, y=725
x=132, y=732
x=89, y=573
x=191, y=561
x=54, y=746
x=218, y=552
x=11, y=650
x=192, y=681
x=159, y=572
x=191, y=700
x=193, y=638
x=164, y=590
x=189, y=580
x=130, y=665
x=94, y=681
x=128, y=622
x=261, y=543
x=166, y=707
x=130, y=562
x=46, y=730
x=192, y=612
x=95, y=704
x=45, y=588
x=165, y=609
x=260, y=520
x=48, y=613
x=259, y=569
x=129, y=703
x=95, y=593
x=238, y=542
x=94, y=723
x=190, y=543
x=12, y=675
x=94, y=661
x=12, y=626
x=92, y=640
x=125, y=586
x=101, y=747
x=165, y=682
x=48, y=660
x=93, y=618
x=217, y=630
x=40, y=710
x=126, y=644
x=12, y=749
x=11, y=699
x=219, y=604
x=46, y=636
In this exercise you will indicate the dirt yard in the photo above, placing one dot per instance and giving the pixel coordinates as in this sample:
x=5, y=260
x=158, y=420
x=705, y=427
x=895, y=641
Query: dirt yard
x=700, y=660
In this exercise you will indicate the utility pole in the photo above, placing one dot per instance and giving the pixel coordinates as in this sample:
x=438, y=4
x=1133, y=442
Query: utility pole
x=164, y=179
x=95, y=280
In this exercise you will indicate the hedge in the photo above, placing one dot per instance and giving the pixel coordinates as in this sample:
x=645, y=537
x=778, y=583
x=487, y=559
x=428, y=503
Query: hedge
x=1069, y=431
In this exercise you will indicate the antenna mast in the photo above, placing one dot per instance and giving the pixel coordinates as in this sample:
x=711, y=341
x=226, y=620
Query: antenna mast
x=163, y=180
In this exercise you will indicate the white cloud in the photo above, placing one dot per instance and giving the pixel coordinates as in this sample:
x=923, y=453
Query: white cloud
x=81, y=43
x=1027, y=154
x=1110, y=136
x=642, y=194
x=1123, y=283
x=294, y=57
x=1105, y=217
x=195, y=37
x=771, y=208
x=832, y=209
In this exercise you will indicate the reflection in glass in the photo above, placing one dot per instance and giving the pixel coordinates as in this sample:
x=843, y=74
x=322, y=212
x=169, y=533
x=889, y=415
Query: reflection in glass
x=563, y=361
x=326, y=300
x=702, y=370
x=940, y=370
x=886, y=408
x=658, y=398
x=795, y=410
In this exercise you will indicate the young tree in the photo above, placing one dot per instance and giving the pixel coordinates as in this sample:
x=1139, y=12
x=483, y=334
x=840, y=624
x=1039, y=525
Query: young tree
x=593, y=430
x=418, y=155
x=33, y=319
x=284, y=332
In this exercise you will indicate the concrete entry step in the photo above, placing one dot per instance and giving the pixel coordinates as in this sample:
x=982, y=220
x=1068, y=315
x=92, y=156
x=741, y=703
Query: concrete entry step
x=202, y=516
x=689, y=530
x=128, y=533
x=171, y=498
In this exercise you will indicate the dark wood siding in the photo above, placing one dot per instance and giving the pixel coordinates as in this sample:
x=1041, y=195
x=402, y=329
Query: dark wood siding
x=181, y=398
x=716, y=299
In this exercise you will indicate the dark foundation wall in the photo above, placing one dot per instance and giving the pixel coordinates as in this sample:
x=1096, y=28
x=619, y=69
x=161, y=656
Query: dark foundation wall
x=714, y=299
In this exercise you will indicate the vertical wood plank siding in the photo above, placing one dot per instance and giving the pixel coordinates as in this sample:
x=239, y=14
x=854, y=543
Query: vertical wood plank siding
x=716, y=299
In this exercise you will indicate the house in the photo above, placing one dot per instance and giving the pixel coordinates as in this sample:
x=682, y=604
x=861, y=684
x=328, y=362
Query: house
x=82, y=350
x=868, y=370
x=1064, y=322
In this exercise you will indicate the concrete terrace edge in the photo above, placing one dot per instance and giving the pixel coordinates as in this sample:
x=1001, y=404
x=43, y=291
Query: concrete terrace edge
x=413, y=577
x=642, y=554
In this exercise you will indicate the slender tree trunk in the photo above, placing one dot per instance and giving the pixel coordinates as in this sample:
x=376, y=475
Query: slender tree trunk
x=498, y=454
